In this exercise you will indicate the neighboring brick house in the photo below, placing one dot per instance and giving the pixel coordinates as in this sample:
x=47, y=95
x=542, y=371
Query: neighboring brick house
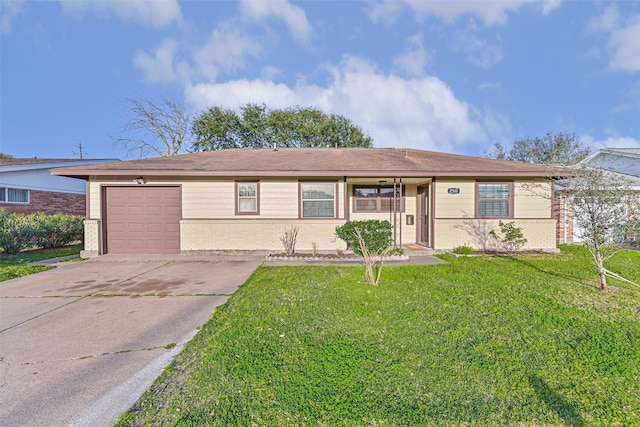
x=624, y=162
x=27, y=186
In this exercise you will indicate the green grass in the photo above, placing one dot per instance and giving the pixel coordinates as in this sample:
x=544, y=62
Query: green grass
x=14, y=266
x=518, y=340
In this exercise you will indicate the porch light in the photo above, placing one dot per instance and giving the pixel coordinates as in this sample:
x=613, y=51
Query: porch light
x=382, y=182
x=139, y=180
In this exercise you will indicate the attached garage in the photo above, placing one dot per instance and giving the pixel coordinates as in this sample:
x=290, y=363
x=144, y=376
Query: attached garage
x=142, y=219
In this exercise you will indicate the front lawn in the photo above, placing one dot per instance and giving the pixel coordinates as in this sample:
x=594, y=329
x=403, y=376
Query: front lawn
x=14, y=266
x=521, y=340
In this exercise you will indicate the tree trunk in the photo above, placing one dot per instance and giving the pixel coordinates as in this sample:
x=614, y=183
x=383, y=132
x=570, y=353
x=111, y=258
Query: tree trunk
x=601, y=271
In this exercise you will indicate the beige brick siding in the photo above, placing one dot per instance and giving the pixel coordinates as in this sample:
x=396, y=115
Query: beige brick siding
x=92, y=235
x=257, y=234
x=209, y=221
x=449, y=233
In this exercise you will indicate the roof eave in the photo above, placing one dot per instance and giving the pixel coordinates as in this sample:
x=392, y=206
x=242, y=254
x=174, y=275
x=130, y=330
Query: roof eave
x=85, y=174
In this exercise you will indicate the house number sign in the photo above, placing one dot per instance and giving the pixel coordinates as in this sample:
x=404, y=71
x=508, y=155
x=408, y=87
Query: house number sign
x=453, y=190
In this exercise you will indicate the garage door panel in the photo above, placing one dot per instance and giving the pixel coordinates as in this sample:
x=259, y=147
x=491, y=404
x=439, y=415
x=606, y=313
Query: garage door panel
x=155, y=211
x=155, y=228
x=135, y=227
x=172, y=228
x=143, y=219
x=173, y=210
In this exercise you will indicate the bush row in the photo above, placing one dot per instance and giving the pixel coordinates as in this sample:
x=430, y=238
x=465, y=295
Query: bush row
x=38, y=231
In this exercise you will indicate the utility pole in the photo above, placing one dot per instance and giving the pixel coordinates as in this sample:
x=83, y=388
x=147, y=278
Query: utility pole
x=80, y=151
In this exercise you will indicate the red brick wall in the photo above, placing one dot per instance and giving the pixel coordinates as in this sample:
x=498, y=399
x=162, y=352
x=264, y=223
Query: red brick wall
x=563, y=211
x=49, y=202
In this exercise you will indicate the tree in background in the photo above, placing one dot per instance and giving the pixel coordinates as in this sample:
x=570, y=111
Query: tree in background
x=606, y=213
x=5, y=156
x=259, y=127
x=552, y=149
x=155, y=128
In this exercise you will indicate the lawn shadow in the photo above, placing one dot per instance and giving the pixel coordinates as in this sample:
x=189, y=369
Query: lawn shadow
x=556, y=402
x=550, y=272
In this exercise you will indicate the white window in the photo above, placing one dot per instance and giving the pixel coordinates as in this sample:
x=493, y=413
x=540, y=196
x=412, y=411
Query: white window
x=247, y=198
x=318, y=200
x=494, y=200
x=14, y=195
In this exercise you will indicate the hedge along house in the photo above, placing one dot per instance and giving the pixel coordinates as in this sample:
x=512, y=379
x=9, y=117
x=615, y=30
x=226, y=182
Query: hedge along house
x=245, y=199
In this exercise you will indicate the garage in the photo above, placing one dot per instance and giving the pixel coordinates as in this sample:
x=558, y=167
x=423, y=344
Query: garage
x=142, y=219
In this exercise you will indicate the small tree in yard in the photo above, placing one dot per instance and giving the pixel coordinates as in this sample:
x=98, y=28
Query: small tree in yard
x=371, y=240
x=606, y=211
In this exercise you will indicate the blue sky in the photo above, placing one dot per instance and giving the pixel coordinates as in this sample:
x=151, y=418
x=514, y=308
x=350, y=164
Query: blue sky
x=451, y=76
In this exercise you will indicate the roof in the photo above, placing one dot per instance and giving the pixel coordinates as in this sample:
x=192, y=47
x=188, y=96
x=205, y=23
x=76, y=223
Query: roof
x=352, y=162
x=621, y=161
x=32, y=163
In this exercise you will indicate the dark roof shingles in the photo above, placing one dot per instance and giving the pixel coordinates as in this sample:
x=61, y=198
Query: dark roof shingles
x=315, y=161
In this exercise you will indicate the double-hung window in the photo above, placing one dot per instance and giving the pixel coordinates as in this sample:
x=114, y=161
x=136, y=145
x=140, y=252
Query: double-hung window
x=247, y=198
x=318, y=200
x=14, y=195
x=495, y=199
x=376, y=199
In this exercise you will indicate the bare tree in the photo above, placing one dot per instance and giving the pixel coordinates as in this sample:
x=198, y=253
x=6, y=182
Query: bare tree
x=155, y=129
x=606, y=211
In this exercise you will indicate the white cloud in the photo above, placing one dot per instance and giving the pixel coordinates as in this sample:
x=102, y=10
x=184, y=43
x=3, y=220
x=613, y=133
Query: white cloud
x=293, y=16
x=418, y=112
x=622, y=44
x=10, y=10
x=489, y=86
x=607, y=21
x=549, y=6
x=490, y=12
x=615, y=141
x=385, y=12
x=161, y=66
x=479, y=52
x=226, y=48
x=414, y=59
x=224, y=51
x=494, y=12
x=625, y=46
x=153, y=13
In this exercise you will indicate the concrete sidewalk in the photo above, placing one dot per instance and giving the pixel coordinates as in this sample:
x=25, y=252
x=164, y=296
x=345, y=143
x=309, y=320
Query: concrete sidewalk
x=80, y=343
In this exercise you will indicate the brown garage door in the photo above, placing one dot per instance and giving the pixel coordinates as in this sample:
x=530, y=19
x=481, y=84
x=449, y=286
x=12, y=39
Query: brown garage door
x=143, y=220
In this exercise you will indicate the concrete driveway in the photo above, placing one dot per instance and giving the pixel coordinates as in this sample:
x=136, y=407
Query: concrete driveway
x=80, y=343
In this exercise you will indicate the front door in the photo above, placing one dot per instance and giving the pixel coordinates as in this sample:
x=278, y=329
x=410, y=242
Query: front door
x=423, y=215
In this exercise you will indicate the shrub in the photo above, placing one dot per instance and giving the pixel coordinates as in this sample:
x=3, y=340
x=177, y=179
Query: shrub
x=377, y=235
x=396, y=251
x=16, y=232
x=463, y=250
x=52, y=231
x=289, y=239
x=510, y=237
x=369, y=239
x=38, y=230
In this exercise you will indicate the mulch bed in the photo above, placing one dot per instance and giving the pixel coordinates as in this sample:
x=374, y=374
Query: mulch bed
x=303, y=256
